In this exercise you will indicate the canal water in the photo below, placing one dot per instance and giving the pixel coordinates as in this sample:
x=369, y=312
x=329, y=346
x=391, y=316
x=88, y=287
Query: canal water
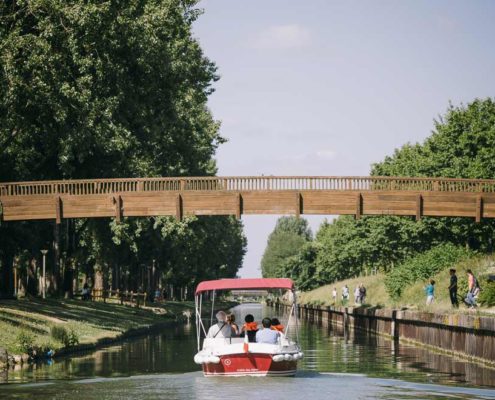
x=337, y=365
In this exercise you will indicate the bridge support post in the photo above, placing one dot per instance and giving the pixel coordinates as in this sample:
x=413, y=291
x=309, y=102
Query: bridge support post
x=359, y=205
x=179, y=207
x=479, y=208
x=58, y=210
x=419, y=207
x=117, y=200
x=298, y=204
x=238, y=211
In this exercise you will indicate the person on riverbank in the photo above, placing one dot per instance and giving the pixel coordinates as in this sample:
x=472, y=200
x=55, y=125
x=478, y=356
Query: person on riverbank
x=86, y=292
x=334, y=295
x=430, y=292
x=357, y=295
x=453, y=288
x=249, y=328
x=276, y=325
x=362, y=293
x=267, y=335
x=221, y=329
x=345, y=295
x=473, y=290
x=233, y=325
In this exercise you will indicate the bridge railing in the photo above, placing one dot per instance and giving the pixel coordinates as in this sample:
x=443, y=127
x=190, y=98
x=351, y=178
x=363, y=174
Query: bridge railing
x=246, y=183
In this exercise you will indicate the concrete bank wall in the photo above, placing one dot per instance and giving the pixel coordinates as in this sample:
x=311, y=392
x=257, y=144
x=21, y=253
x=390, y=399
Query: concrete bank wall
x=460, y=334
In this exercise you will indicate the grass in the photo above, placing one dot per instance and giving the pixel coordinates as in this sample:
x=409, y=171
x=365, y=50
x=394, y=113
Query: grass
x=90, y=321
x=413, y=297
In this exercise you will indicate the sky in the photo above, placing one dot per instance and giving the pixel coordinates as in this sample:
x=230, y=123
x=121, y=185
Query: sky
x=322, y=87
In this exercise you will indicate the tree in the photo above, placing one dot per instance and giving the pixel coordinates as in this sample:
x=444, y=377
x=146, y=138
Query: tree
x=288, y=237
x=92, y=89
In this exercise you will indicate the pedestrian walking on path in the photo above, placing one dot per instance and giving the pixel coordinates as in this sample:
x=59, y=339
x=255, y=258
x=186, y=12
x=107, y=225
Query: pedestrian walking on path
x=430, y=292
x=453, y=288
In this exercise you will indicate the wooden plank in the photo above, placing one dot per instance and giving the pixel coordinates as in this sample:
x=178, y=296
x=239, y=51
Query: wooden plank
x=419, y=207
x=479, y=208
x=58, y=210
x=359, y=205
x=178, y=207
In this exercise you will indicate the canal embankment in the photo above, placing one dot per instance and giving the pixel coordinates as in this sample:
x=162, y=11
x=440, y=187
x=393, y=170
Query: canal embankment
x=469, y=336
x=36, y=328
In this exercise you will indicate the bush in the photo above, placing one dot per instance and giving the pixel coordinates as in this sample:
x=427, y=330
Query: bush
x=487, y=295
x=423, y=266
x=68, y=337
x=25, y=341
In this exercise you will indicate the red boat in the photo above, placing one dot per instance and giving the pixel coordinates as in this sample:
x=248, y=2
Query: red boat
x=236, y=356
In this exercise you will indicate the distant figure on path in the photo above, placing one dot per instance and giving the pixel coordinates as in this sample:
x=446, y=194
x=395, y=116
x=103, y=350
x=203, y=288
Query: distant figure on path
x=357, y=295
x=221, y=329
x=86, y=292
x=453, y=288
x=430, y=292
x=334, y=295
x=362, y=293
x=345, y=294
x=473, y=289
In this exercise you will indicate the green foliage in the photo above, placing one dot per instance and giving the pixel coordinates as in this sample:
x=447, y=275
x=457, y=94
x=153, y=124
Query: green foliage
x=301, y=267
x=423, y=266
x=92, y=89
x=68, y=337
x=25, y=341
x=288, y=237
x=487, y=294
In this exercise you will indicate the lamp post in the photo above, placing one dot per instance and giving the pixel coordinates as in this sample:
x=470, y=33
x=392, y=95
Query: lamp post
x=44, y=252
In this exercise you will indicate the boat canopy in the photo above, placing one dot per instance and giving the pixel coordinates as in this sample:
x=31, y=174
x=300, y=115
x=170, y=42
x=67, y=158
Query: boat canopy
x=257, y=283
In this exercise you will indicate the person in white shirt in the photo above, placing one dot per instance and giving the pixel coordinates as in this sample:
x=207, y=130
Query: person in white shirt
x=267, y=335
x=221, y=329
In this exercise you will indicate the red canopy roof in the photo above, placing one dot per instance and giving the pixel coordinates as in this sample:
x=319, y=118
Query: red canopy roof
x=258, y=283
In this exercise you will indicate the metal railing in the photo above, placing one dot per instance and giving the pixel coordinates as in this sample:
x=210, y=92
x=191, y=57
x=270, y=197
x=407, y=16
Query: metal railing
x=245, y=183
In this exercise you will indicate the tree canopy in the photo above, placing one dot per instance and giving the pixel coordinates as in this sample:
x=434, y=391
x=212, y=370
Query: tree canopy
x=97, y=89
x=288, y=237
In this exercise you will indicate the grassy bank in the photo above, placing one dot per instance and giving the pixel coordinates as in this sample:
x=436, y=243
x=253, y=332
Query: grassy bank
x=55, y=324
x=413, y=296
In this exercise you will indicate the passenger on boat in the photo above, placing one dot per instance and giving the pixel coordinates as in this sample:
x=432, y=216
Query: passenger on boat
x=249, y=328
x=221, y=329
x=233, y=325
x=276, y=325
x=267, y=335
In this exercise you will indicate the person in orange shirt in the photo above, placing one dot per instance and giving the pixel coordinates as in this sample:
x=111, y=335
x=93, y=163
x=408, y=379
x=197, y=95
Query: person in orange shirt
x=249, y=328
x=276, y=325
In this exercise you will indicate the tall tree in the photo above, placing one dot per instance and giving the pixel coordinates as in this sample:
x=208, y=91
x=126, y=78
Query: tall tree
x=288, y=237
x=95, y=89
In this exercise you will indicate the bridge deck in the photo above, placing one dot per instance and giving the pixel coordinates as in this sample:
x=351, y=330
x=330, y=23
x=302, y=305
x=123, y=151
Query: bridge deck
x=141, y=197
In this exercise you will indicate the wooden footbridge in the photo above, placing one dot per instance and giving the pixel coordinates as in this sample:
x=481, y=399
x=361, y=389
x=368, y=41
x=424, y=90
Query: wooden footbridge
x=145, y=197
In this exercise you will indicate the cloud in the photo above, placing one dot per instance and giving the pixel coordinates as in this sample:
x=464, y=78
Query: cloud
x=282, y=37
